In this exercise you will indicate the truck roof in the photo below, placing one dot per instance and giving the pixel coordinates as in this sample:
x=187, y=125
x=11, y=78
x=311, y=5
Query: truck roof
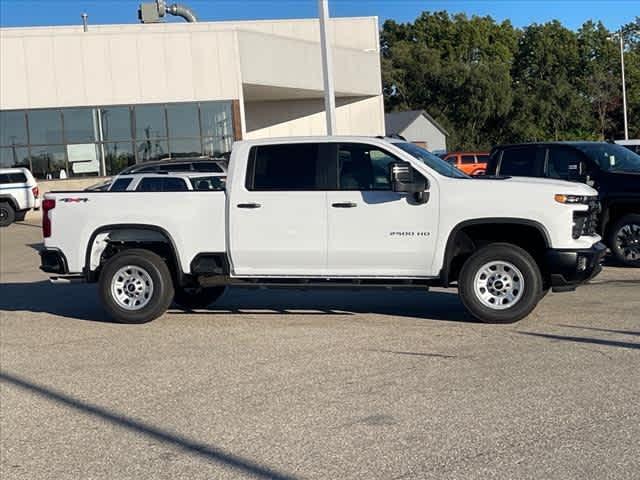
x=318, y=139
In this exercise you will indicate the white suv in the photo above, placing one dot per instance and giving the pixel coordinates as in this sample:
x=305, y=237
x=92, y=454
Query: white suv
x=18, y=194
x=167, y=182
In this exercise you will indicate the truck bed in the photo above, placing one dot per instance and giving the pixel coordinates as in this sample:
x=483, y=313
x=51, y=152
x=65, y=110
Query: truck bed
x=194, y=220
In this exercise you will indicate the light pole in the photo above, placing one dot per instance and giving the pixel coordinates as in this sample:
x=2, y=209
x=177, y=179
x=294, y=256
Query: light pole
x=327, y=67
x=624, y=88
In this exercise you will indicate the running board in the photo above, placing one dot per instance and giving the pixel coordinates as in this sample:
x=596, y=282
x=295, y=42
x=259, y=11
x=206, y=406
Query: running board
x=220, y=280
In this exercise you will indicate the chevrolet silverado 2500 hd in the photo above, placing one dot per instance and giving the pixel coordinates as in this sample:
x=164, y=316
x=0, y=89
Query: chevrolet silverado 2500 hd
x=328, y=211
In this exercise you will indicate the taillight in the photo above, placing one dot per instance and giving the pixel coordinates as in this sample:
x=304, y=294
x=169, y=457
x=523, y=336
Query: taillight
x=36, y=191
x=47, y=204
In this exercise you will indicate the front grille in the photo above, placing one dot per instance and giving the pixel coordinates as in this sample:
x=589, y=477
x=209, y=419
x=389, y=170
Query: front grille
x=585, y=223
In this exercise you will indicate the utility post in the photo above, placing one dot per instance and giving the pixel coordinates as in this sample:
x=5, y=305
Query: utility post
x=327, y=67
x=624, y=88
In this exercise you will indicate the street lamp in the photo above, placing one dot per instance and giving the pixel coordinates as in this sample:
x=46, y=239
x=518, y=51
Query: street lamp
x=624, y=88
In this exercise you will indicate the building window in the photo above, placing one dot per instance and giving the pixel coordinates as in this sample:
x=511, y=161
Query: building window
x=102, y=140
x=118, y=156
x=116, y=123
x=14, y=157
x=45, y=127
x=13, y=128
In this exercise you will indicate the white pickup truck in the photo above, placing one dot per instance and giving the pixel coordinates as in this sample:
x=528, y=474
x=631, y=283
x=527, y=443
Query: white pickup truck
x=328, y=211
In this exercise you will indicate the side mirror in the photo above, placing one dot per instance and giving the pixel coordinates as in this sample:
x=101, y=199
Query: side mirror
x=405, y=179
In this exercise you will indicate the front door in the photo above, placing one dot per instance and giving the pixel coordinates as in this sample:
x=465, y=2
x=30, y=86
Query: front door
x=374, y=231
x=278, y=218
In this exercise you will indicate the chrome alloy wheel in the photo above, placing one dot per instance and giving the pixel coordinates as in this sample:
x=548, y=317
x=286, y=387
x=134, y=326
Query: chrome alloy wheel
x=498, y=285
x=132, y=287
x=628, y=241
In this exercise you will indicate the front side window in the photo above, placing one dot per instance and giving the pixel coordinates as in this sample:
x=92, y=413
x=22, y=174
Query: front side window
x=288, y=167
x=468, y=159
x=363, y=167
x=558, y=161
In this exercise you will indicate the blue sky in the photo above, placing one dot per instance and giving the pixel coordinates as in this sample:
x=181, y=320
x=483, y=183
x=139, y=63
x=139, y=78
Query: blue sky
x=572, y=13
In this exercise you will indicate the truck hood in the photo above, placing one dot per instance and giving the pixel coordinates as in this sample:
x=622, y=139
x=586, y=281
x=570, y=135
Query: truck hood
x=559, y=186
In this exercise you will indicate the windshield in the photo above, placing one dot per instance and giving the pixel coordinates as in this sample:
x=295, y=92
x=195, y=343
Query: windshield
x=430, y=160
x=612, y=157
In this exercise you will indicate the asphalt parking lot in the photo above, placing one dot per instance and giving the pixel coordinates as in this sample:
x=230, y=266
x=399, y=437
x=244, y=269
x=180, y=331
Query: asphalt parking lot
x=329, y=384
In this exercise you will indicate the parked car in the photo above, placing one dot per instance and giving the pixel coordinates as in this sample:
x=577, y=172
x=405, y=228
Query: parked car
x=633, y=145
x=186, y=164
x=611, y=169
x=471, y=163
x=328, y=211
x=167, y=182
x=18, y=194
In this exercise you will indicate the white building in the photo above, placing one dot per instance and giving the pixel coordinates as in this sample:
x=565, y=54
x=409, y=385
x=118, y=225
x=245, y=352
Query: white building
x=93, y=102
x=419, y=127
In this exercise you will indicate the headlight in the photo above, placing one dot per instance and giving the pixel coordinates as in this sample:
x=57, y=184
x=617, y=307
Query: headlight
x=573, y=199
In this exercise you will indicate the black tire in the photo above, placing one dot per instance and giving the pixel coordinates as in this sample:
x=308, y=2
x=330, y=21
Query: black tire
x=7, y=214
x=158, y=274
x=624, y=240
x=526, y=298
x=197, y=297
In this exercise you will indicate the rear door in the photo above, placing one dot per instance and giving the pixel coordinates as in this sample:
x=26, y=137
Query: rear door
x=278, y=217
x=374, y=231
x=524, y=161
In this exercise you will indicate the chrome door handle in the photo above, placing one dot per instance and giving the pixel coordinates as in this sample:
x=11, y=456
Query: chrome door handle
x=344, y=205
x=249, y=205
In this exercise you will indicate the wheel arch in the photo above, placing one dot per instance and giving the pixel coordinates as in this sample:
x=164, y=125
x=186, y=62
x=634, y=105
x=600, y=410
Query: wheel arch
x=461, y=241
x=129, y=233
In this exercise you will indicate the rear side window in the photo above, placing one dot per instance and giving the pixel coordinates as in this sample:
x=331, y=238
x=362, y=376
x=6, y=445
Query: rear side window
x=120, y=185
x=162, y=185
x=468, y=159
x=13, y=177
x=522, y=162
x=208, y=183
x=284, y=167
x=211, y=167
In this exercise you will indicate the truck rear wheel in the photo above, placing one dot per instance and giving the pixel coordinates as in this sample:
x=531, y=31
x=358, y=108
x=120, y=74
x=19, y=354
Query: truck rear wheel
x=136, y=286
x=7, y=214
x=624, y=240
x=500, y=283
x=197, y=297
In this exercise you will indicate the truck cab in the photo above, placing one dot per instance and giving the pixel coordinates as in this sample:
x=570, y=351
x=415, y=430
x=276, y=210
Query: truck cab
x=329, y=211
x=613, y=170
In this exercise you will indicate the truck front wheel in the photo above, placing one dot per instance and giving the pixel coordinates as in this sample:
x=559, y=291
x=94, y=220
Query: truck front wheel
x=624, y=240
x=197, y=297
x=136, y=286
x=500, y=283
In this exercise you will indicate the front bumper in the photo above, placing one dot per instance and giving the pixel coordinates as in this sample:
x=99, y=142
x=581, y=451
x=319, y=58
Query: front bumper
x=567, y=269
x=53, y=260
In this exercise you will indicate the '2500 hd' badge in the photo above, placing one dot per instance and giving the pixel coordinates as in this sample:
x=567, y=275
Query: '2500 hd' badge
x=409, y=234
